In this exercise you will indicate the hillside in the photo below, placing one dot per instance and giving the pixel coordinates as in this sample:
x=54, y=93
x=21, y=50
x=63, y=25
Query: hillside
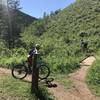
x=25, y=19
x=59, y=35
x=12, y=22
x=83, y=15
x=61, y=38
x=60, y=41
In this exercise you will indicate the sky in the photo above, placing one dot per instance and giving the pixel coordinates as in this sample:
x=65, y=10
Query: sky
x=36, y=8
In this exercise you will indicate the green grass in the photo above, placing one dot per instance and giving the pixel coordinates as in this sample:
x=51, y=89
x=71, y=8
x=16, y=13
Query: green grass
x=93, y=78
x=13, y=89
x=13, y=57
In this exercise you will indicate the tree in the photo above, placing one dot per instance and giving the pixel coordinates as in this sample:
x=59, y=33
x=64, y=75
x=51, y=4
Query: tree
x=9, y=29
x=13, y=8
x=14, y=4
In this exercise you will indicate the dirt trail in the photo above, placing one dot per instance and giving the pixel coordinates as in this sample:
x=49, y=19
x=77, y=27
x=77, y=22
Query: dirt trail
x=4, y=71
x=79, y=91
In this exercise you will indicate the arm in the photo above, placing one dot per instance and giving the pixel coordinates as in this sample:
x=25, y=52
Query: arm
x=31, y=53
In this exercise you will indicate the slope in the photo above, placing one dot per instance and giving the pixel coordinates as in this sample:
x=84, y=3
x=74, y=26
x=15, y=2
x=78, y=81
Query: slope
x=12, y=22
x=61, y=38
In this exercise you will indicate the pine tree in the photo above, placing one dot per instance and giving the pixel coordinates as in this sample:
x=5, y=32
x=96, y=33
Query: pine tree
x=9, y=30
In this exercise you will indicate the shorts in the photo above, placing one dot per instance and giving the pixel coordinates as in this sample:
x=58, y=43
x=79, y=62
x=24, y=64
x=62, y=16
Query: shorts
x=30, y=61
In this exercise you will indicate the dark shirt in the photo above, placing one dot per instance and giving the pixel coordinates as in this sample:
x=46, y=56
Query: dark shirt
x=31, y=53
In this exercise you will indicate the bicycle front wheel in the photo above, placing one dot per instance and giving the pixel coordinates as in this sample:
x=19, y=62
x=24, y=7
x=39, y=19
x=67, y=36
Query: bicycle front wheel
x=44, y=72
x=19, y=72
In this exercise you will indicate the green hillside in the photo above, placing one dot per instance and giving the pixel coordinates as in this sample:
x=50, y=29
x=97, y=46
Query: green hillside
x=24, y=19
x=59, y=37
x=12, y=22
x=60, y=40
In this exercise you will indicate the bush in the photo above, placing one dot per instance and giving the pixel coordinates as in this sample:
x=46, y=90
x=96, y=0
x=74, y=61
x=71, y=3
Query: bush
x=43, y=94
x=16, y=56
x=93, y=78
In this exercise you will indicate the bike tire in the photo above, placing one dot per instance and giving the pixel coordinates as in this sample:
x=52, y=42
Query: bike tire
x=19, y=72
x=44, y=72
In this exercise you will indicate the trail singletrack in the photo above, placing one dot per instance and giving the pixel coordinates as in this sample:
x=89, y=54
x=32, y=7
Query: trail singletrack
x=79, y=91
x=4, y=71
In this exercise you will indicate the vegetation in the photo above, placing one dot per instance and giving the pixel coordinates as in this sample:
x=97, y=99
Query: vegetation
x=10, y=58
x=60, y=41
x=93, y=77
x=12, y=22
x=59, y=37
x=18, y=90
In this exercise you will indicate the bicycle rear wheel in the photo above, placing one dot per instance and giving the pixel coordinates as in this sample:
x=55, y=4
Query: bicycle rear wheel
x=44, y=72
x=19, y=72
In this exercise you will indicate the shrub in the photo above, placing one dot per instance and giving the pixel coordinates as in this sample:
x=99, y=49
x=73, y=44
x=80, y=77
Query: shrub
x=93, y=78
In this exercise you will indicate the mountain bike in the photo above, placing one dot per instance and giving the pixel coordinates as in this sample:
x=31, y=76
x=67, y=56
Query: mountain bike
x=22, y=70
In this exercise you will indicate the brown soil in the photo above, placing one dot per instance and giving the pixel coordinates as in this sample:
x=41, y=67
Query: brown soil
x=4, y=71
x=79, y=91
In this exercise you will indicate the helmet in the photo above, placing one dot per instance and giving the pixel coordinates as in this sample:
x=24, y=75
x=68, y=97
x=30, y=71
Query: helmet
x=37, y=46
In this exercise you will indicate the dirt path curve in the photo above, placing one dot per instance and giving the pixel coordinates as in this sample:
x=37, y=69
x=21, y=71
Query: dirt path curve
x=4, y=71
x=80, y=90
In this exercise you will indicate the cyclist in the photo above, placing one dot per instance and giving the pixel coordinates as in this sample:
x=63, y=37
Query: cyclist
x=84, y=45
x=31, y=53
